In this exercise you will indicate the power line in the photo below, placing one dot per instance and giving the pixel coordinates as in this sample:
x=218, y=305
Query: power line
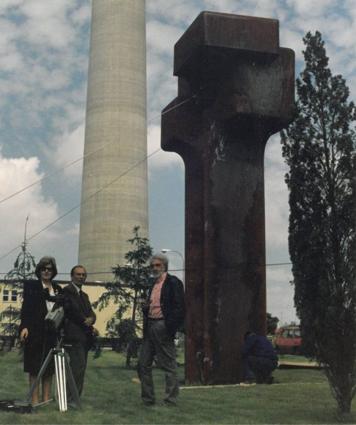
x=46, y=176
x=183, y=270
x=81, y=203
x=99, y=190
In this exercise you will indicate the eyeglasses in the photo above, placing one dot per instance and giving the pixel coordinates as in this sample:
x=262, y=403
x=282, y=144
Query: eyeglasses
x=46, y=269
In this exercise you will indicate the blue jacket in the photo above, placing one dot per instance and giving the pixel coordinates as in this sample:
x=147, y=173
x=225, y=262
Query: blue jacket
x=259, y=346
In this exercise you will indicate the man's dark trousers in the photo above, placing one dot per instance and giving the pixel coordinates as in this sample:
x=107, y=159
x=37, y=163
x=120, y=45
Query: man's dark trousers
x=158, y=342
x=78, y=355
x=259, y=367
x=77, y=308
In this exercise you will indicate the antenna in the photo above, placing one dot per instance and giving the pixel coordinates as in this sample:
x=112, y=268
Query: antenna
x=24, y=243
x=24, y=265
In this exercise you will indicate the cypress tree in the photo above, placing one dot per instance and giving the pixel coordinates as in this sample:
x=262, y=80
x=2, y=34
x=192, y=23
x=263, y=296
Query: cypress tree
x=318, y=148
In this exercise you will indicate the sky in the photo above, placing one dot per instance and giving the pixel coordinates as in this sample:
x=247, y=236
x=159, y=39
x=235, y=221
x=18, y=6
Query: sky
x=43, y=76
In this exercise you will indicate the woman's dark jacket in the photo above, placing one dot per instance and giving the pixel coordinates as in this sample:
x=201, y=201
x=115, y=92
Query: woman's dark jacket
x=172, y=305
x=33, y=313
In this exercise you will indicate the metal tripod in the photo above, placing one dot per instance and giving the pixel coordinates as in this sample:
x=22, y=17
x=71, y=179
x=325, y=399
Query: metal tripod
x=63, y=373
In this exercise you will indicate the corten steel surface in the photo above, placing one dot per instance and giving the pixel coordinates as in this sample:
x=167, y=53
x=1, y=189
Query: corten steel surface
x=241, y=89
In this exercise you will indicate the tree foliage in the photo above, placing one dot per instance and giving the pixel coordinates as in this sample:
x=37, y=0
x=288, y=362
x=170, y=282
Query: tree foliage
x=10, y=321
x=131, y=284
x=24, y=268
x=272, y=323
x=318, y=147
x=125, y=331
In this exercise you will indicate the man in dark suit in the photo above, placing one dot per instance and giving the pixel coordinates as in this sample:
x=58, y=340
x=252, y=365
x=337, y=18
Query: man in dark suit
x=163, y=317
x=78, y=327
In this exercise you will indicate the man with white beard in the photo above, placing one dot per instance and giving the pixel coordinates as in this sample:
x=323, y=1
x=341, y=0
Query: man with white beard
x=163, y=314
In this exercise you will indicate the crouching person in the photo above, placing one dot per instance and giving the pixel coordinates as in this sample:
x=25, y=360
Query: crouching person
x=163, y=314
x=259, y=359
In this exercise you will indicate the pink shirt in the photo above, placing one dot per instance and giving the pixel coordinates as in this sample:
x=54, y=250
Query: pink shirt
x=155, y=311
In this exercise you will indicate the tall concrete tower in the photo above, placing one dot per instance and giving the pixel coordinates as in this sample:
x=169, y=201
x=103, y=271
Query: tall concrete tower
x=115, y=121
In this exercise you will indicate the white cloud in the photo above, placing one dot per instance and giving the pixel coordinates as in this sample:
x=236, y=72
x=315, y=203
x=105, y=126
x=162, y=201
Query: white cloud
x=307, y=8
x=276, y=199
x=342, y=33
x=280, y=294
x=162, y=85
x=81, y=15
x=43, y=64
x=73, y=231
x=162, y=36
x=293, y=40
x=279, y=291
x=69, y=148
x=161, y=158
x=174, y=12
x=15, y=174
x=10, y=4
x=10, y=61
x=10, y=58
x=223, y=5
x=59, y=240
x=47, y=23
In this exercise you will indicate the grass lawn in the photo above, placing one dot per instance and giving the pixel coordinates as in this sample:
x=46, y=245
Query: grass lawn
x=111, y=397
x=293, y=358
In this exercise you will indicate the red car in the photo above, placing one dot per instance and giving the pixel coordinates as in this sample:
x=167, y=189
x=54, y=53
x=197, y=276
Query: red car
x=287, y=340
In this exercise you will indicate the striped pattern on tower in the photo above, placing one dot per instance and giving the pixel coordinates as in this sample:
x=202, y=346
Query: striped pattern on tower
x=115, y=119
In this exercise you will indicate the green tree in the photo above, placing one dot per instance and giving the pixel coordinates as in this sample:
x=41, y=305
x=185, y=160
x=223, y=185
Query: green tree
x=125, y=331
x=130, y=285
x=24, y=268
x=318, y=148
x=272, y=323
x=10, y=322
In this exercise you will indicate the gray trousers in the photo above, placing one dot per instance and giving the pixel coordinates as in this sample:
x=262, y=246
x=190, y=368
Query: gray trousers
x=157, y=342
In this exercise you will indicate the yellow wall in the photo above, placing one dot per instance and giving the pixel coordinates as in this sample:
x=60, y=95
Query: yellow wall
x=103, y=316
x=93, y=292
x=6, y=304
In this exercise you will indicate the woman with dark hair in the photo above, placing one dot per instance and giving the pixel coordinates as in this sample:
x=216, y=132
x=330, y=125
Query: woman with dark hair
x=37, y=338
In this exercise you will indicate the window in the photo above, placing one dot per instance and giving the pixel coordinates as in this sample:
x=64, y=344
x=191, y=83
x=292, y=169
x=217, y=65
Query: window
x=9, y=295
x=5, y=295
x=14, y=295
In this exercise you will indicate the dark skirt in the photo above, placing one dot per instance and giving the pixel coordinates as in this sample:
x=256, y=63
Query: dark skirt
x=36, y=350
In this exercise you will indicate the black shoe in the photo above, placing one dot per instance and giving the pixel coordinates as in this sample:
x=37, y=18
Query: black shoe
x=148, y=402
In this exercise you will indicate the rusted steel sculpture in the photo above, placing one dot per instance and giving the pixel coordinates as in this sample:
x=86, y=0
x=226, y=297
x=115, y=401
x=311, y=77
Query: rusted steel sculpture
x=235, y=89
